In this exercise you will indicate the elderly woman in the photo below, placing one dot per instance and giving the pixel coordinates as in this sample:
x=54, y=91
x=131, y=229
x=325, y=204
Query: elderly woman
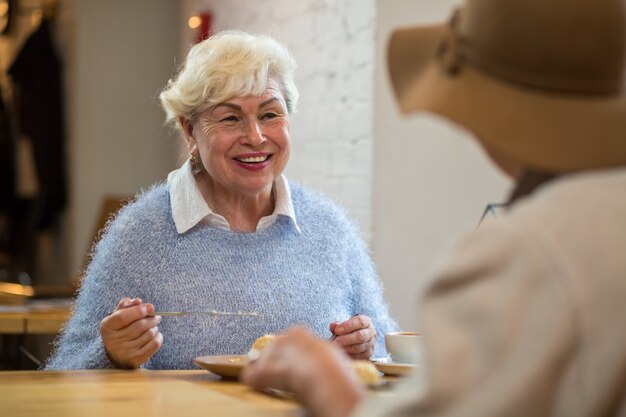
x=226, y=232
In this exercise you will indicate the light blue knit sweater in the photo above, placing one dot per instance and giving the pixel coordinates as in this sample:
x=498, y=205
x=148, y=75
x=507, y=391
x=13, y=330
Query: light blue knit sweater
x=312, y=278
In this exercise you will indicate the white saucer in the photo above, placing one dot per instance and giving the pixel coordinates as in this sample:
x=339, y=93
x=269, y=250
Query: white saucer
x=389, y=367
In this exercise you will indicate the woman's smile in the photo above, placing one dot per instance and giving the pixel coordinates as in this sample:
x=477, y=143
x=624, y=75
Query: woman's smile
x=253, y=161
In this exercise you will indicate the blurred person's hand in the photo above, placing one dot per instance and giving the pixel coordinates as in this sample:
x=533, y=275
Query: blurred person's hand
x=356, y=336
x=315, y=371
x=130, y=335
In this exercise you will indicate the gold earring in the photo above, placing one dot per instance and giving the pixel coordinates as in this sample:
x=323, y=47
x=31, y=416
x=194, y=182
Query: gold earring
x=196, y=165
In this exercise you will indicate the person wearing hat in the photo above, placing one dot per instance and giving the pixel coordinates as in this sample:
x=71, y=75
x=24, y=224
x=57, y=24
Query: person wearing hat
x=522, y=319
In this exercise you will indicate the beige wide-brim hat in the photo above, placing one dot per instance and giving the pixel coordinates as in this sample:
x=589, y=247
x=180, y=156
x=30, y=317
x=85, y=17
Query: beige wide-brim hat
x=539, y=81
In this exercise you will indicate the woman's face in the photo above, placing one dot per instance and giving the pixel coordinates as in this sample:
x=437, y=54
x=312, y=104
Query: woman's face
x=244, y=142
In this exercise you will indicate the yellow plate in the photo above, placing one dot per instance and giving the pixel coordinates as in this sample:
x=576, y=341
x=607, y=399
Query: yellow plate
x=226, y=366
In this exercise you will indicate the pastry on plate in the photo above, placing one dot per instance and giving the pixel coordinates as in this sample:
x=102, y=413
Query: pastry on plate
x=263, y=342
x=366, y=372
x=260, y=344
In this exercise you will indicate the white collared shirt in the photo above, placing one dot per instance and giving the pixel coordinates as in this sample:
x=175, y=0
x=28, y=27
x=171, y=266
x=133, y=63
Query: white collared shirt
x=190, y=208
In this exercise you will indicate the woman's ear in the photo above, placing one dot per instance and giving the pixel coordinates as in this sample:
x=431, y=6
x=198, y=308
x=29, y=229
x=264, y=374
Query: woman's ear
x=187, y=128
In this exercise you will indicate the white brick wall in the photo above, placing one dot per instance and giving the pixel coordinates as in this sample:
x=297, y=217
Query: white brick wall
x=333, y=44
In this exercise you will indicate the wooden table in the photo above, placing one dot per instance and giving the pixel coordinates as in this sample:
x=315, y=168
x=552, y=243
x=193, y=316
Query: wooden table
x=133, y=393
x=30, y=319
x=20, y=324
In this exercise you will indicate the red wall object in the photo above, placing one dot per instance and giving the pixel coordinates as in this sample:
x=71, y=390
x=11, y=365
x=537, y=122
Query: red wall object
x=206, y=26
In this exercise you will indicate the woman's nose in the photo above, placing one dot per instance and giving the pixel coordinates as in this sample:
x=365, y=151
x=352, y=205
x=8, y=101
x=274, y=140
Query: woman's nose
x=254, y=133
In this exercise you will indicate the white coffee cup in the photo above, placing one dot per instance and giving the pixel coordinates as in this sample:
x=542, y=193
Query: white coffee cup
x=404, y=347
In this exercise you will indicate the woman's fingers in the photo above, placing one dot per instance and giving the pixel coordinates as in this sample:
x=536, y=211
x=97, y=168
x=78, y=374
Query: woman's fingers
x=132, y=353
x=153, y=341
x=356, y=350
x=142, y=331
x=124, y=317
x=364, y=351
x=354, y=323
x=357, y=336
x=136, y=328
x=130, y=335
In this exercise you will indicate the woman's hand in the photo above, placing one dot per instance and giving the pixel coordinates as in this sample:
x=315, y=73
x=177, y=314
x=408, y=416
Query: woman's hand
x=356, y=336
x=130, y=335
x=310, y=368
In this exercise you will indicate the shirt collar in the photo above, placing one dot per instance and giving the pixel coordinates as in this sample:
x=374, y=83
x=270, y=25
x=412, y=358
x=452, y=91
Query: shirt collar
x=283, y=204
x=189, y=207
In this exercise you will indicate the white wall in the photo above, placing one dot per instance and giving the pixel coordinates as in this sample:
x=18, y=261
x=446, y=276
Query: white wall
x=413, y=183
x=124, y=56
x=333, y=44
x=431, y=181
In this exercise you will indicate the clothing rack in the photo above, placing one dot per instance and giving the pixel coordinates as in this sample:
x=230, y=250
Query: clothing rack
x=32, y=208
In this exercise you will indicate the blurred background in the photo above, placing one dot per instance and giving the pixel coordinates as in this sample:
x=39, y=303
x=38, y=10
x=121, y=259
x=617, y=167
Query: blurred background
x=81, y=127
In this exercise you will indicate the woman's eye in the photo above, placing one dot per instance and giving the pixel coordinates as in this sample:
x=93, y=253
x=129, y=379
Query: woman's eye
x=229, y=119
x=269, y=115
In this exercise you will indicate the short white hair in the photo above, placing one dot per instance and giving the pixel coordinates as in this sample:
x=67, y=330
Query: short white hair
x=228, y=64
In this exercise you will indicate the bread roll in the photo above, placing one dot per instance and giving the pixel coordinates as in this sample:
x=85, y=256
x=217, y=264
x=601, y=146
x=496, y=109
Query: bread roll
x=366, y=371
x=263, y=342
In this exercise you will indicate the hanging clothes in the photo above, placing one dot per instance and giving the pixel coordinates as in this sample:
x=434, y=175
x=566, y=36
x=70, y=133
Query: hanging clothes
x=7, y=159
x=36, y=73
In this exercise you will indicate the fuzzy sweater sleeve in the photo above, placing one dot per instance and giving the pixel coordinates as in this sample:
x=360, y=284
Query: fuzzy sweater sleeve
x=367, y=288
x=79, y=345
x=116, y=271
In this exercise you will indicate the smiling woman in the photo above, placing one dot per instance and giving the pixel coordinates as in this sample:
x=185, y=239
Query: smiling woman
x=243, y=145
x=226, y=232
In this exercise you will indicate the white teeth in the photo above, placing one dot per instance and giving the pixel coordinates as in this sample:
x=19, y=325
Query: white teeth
x=253, y=159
